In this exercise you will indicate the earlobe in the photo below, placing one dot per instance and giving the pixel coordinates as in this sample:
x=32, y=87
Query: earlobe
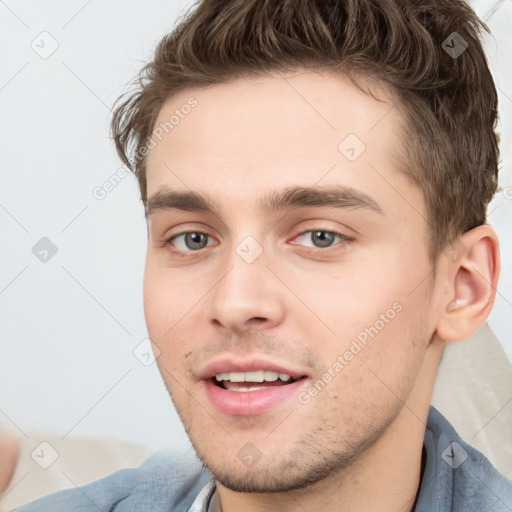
x=472, y=280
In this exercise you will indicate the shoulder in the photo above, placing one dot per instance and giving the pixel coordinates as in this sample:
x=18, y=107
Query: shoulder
x=458, y=477
x=166, y=480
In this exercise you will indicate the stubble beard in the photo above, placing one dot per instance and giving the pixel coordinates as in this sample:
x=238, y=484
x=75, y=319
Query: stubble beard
x=320, y=454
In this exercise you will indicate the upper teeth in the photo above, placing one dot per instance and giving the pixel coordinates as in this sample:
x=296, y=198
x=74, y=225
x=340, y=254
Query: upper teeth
x=258, y=376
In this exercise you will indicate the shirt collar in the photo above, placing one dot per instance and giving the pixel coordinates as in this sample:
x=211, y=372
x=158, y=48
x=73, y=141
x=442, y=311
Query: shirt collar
x=202, y=501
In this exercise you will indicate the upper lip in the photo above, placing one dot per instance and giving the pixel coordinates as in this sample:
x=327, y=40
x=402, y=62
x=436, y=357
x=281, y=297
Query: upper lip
x=233, y=364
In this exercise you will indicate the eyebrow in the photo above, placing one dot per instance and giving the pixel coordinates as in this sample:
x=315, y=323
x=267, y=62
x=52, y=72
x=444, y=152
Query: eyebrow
x=284, y=199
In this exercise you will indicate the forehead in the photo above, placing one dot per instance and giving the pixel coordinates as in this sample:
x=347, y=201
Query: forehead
x=301, y=128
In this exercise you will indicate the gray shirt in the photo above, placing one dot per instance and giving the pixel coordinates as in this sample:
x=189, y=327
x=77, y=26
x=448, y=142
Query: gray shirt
x=456, y=478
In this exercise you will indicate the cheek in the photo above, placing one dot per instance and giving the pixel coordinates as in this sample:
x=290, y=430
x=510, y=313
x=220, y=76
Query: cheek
x=348, y=298
x=374, y=310
x=168, y=297
x=164, y=306
x=173, y=314
x=156, y=304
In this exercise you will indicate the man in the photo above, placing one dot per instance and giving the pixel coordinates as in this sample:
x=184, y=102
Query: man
x=315, y=176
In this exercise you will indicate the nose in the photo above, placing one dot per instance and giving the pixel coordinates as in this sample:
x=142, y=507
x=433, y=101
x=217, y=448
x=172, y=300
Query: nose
x=246, y=296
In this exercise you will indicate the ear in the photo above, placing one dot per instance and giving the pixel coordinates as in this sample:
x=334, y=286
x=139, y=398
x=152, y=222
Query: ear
x=471, y=267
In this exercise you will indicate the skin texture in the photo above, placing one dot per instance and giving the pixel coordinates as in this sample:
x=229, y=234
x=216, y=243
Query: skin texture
x=357, y=443
x=9, y=453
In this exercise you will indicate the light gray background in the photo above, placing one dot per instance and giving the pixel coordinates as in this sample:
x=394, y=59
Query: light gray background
x=70, y=326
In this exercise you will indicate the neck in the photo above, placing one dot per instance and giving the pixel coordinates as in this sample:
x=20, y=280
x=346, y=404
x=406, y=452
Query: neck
x=387, y=475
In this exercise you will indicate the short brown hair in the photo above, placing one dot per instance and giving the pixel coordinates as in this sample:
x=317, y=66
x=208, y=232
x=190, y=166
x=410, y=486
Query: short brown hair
x=449, y=101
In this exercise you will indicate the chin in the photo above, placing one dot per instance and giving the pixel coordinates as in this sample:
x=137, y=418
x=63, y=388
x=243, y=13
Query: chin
x=302, y=468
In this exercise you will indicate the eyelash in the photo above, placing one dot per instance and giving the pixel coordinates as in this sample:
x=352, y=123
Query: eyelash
x=311, y=250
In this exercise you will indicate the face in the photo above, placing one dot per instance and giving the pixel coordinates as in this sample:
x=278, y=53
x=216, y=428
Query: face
x=286, y=282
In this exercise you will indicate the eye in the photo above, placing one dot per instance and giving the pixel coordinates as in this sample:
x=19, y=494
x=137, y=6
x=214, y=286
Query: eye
x=194, y=241
x=322, y=238
x=189, y=241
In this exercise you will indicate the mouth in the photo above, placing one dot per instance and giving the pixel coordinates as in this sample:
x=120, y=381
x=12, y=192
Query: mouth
x=251, y=387
x=243, y=382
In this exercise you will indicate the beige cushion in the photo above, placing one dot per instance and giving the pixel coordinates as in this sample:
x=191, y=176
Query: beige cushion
x=473, y=390
x=79, y=461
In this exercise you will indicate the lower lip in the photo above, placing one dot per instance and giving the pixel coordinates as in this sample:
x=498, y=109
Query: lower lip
x=250, y=403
